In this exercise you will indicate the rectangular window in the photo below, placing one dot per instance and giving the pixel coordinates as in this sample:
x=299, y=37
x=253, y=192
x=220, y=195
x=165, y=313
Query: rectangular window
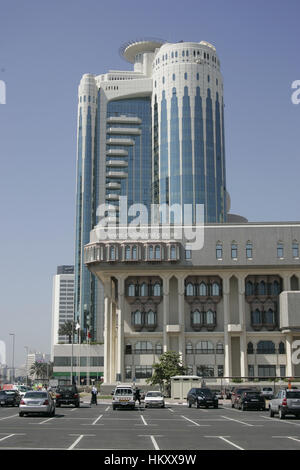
x=279, y=250
x=234, y=251
x=282, y=371
x=251, y=371
x=266, y=371
x=188, y=254
x=220, y=371
x=219, y=251
x=295, y=250
x=128, y=372
x=205, y=371
x=143, y=372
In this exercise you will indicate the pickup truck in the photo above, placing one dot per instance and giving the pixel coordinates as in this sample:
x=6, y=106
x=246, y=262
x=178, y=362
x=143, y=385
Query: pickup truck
x=123, y=396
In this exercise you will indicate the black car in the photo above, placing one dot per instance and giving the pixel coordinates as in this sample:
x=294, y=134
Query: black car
x=202, y=397
x=250, y=400
x=67, y=395
x=9, y=398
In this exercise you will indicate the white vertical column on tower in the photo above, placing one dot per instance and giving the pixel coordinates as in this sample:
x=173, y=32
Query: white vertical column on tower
x=120, y=326
x=180, y=280
x=166, y=307
x=107, y=328
x=242, y=321
x=289, y=352
x=227, y=337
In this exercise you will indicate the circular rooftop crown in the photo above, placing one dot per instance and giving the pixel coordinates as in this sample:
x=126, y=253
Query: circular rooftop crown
x=132, y=48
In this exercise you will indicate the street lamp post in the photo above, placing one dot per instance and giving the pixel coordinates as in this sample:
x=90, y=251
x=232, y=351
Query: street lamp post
x=26, y=365
x=13, y=357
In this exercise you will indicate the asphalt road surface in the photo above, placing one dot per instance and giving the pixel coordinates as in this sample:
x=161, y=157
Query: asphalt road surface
x=175, y=427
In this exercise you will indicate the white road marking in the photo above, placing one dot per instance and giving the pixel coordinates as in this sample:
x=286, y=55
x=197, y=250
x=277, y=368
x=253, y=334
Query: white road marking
x=286, y=437
x=46, y=420
x=170, y=409
x=280, y=421
x=194, y=422
x=144, y=421
x=238, y=421
x=231, y=443
x=76, y=442
x=154, y=443
x=97, y=419
x=6, y=437
x=8, y=417
x=107, y=408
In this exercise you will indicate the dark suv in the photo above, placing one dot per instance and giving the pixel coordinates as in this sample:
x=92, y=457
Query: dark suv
x=202, y=397
x=251, y=400
x=236, y=393
x=67, y=395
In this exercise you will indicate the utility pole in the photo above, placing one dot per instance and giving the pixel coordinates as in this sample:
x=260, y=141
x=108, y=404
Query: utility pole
x=13, y=357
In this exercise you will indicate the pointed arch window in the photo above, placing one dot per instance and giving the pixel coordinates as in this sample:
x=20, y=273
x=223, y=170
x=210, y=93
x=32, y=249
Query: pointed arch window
x=210, y=317
x=156, y=289
x=127, y=252
x=190, y=289
x=249, y=288
x=131, y=290
x=151, y=318
x=196, y=317
x=202, y=289
x=280, y=250
x=249, y=250
x=234, y=250
x=144, y=289
x=215, y=289
x=157, y=252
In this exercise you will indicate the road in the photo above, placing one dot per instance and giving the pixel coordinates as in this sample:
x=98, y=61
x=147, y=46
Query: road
x=176, y=427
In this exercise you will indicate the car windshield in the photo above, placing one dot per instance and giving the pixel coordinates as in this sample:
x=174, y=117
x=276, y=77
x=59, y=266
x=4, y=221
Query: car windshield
x=123, y=391
x=267, y=389
x=251, y=394
x=293, y=394
x=203, y=391
x=22, y=389
x=66, y=388
x=8, y=392
x=153, y=394
x=36, y=395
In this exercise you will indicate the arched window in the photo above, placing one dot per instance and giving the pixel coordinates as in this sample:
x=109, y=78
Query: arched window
x=144, y=290
x=190, y=289
x=210, y=318
x=173, y=252
x=196, y=317
x=219, y=250
x=234, y=250
x=150, y=252
x=281, y=348
x=280, y=250
x=137, y=318
x=249, y=250
x=265, y=347
x=157, y=252
x=202, y=288
x=127, y=252
x=156, y=289
x=215, y=289
x=250, y=349
x=204, y=347
x=134, y=252
x=249, y=288
x=131, y=290
x=295, y=249
x=112, y=253
x=276, y=288
x=151, y=318
x=189, y=348
x=262, y=288
x=256, y=317
x=270, y=317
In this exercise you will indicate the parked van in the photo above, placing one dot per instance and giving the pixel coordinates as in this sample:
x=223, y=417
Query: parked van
x=123, y=397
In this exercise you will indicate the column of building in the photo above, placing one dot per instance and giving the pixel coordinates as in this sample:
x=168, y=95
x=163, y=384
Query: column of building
x=227, y=337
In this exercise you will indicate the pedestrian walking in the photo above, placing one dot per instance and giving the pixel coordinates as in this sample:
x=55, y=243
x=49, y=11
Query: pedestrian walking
x=138, y=395
x=94, y=393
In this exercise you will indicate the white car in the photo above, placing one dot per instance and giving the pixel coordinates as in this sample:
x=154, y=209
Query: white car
x=155, y=399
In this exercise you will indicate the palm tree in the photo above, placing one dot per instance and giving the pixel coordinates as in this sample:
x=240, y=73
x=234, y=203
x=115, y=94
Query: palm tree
x=39, y=370
x=67, y=329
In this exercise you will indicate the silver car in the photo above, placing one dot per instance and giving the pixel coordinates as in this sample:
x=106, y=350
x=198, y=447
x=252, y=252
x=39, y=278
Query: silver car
x=286, y=402
x=37, y=402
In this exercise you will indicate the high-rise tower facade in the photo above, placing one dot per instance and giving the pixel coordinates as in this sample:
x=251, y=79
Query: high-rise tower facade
x=154, y=135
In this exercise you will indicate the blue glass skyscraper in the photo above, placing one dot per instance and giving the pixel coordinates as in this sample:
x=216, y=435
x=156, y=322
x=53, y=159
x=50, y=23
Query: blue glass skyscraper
x=154, y=135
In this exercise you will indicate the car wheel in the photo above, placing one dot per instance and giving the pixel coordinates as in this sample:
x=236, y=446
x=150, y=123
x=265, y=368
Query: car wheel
x=198, y=405
x=189, y=403
x=77, y=405
x=271, y=412
x=21, y=414
x=232, y=405
x=113, y=407
x=281, y=414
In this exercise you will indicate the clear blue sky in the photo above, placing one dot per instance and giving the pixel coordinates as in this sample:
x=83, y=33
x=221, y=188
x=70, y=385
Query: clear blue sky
x=45, y=47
